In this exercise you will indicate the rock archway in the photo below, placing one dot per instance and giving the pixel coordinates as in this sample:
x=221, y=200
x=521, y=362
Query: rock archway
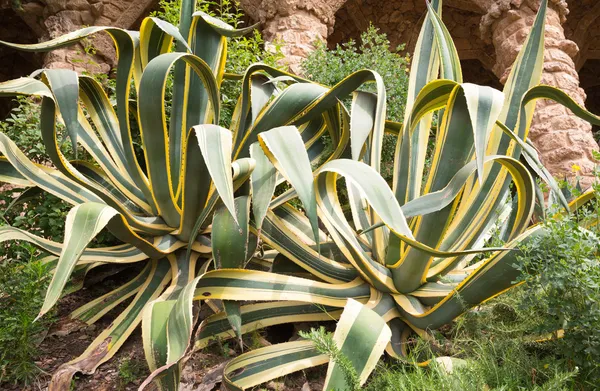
x=488, y=35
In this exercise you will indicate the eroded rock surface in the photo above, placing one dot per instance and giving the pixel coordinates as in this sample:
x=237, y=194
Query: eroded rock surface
x=563, y=139
x=52, y=18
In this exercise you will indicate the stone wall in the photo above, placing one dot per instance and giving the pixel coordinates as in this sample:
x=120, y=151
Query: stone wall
x=488, y=35
x=53, y=18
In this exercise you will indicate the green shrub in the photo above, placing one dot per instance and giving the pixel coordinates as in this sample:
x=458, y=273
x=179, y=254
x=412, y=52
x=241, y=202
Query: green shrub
x=23, y=126
x=43, y=215
x=22, y=287
x=562, y=273
x=329, y=67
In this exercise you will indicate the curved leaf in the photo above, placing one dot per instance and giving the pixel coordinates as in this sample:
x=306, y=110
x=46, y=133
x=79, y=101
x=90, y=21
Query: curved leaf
x=361, y=335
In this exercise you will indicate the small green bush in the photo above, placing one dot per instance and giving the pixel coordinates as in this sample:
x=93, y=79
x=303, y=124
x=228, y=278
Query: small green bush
x=562, y=273
x=44, y=216
x=23, y=126
x=22, y=287
x=329, y=67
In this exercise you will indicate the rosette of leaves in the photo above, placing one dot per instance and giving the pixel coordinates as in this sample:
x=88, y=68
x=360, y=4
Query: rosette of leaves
x=407, y=256
x=401, y=262
x=194, y=175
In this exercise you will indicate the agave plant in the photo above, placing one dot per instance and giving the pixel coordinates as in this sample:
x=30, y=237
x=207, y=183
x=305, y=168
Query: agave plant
x=402, y=262
x=162, y=207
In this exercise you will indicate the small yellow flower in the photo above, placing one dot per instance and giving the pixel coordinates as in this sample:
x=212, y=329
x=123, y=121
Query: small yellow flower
x=546, y=366
x=575, y=168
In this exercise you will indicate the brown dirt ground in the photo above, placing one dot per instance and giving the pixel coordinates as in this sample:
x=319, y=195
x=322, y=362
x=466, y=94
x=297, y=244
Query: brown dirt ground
x=64, y=342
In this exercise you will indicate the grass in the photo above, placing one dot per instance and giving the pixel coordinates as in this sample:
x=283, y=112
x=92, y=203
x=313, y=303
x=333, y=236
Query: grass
x=491, y=342
x=131, y=371
x=22, y=287
x=474, y=376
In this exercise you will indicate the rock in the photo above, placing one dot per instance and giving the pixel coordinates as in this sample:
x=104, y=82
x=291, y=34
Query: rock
x=448, y=364
x=73, y=16
x=97, y=9
x=77, y=5
x=87, y=18
x=112, y=12
x=55, y=6
x=396, y=17
x=33, y=9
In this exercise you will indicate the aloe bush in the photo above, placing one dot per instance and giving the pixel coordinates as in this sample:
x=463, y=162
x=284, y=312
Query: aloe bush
x=402, y=262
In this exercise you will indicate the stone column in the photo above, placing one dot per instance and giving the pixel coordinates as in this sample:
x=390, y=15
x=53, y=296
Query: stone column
x=562, y=139
x=295, y=24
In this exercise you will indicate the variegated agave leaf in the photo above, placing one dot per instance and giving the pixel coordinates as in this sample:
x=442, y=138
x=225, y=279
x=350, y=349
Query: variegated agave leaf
x=193, y=175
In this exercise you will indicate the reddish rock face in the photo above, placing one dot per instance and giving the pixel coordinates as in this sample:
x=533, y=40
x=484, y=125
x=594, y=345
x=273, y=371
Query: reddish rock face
x=562, y=139
x=297, y=24
x=53, y=18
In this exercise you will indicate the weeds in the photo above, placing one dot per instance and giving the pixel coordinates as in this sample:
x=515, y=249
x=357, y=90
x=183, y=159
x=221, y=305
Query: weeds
x=22, y=287
x=131, y=371
x=325, y=344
